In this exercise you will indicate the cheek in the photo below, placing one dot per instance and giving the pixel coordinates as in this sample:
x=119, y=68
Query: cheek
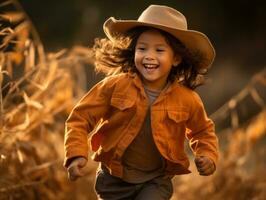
x=137, y=59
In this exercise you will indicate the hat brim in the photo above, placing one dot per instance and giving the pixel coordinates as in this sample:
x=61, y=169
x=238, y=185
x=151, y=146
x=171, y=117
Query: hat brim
x=193, y=40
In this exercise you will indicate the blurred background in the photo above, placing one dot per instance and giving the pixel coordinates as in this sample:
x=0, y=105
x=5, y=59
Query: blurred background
x=45, y=67
x=237, y=30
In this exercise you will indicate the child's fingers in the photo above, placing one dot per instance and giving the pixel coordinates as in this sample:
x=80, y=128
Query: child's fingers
x=199, y=161
x=204, y=165
x=202, y=161
x=75, y=168
x=207, y=171
x=74, y=172
x=72, y=177
x=206, y=168
x=81, y=162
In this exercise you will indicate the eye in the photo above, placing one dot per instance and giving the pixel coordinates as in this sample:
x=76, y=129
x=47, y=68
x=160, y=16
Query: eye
x=141, y=48
x=160, y=50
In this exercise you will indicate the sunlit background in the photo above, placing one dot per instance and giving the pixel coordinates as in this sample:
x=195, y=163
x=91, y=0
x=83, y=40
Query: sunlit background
x=45, y=68
x=237, y=30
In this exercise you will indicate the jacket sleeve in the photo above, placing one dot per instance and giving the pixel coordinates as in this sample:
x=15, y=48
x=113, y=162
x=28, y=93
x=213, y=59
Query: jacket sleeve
x=82, y=120
x=202, y=138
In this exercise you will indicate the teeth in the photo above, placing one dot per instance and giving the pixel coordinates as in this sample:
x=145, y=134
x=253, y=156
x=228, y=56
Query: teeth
x=150, y=66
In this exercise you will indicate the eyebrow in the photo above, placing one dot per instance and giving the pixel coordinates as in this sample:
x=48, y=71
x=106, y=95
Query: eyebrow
x=144, y=43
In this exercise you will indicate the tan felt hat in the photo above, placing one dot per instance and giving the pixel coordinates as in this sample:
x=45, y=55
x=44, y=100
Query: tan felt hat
x=169, y=20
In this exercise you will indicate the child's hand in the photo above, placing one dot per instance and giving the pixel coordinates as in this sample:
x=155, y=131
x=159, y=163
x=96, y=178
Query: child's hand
x=204, y=165
x=75, y=168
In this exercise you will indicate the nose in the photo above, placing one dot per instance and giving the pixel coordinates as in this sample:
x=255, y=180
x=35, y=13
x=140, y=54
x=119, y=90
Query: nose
x=149, y=56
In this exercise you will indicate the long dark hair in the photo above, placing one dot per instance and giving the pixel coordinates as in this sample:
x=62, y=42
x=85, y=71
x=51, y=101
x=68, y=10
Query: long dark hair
x=117, y=56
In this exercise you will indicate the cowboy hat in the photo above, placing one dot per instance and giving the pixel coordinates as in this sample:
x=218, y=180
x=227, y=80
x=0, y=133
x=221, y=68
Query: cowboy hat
x=170, y=20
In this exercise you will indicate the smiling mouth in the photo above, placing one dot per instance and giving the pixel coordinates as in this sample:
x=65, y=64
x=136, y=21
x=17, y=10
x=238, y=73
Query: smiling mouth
x=150, y=66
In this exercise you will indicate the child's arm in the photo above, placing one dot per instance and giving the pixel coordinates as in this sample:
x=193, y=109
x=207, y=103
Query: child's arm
x=202, y=138
x=82, y=120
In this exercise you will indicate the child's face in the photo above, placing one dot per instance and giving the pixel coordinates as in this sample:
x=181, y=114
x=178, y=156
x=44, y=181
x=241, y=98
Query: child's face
x=154, y=59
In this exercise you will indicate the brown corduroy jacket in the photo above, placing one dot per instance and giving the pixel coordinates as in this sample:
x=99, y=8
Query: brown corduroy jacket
x=111, y=114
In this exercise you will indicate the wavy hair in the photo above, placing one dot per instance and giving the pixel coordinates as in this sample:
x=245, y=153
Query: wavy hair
x=117, y=56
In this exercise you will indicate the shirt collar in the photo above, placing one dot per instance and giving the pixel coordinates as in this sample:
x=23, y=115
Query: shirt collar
x=169, y=87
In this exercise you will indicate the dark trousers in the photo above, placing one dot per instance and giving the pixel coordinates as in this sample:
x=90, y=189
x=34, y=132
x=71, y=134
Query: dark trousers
x=109, y=187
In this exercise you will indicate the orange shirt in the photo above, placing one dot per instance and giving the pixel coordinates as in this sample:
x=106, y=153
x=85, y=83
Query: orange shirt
x=111, y=115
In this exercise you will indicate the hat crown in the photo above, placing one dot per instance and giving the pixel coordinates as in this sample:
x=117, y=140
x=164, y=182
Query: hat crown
x=171, y=21
x=165, y=16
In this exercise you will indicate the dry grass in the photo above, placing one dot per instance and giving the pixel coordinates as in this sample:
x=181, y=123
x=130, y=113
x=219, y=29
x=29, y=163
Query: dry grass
x=37, y=92
x=241, y=170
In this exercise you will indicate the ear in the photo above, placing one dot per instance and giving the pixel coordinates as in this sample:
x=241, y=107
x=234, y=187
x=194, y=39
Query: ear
x=177, y=60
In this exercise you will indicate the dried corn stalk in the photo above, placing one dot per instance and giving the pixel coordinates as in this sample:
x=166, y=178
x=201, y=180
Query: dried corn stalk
x=37, y=91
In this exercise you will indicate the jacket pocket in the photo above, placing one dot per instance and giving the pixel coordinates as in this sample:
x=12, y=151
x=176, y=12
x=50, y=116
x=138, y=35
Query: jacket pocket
x=178, y=116
x=176, y=129
x=122, y=102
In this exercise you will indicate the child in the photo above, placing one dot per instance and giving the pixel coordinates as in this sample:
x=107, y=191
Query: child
x=137, y=118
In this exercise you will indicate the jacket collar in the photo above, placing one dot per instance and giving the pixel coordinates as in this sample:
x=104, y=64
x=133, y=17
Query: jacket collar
x=138, y=83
